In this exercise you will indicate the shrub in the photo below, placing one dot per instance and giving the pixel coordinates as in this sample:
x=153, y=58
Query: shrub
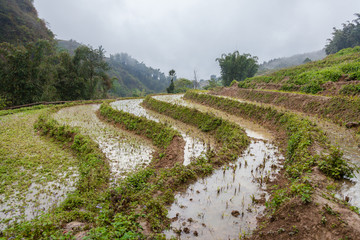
x=335, y=166
x=351, y=89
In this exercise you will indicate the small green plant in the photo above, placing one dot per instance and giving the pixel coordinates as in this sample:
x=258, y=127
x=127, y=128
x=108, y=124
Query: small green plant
x=335, y=166
x=351, y=89
x=303, y=190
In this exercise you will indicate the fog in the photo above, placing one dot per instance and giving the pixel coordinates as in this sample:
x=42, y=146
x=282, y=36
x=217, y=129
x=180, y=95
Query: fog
x=188, y=35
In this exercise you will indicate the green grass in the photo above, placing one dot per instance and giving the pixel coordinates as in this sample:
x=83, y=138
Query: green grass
x=229, y=135
x=26, y=159
x=310, y=76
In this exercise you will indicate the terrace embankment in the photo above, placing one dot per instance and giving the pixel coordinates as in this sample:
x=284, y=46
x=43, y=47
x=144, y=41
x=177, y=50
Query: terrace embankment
x=301, y=205
x=125, y=151
x=196, y=142
x=340, y=110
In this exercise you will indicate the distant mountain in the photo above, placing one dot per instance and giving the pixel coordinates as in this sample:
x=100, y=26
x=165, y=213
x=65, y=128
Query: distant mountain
x=134, y=78
x=19, y=22
x=294, y=60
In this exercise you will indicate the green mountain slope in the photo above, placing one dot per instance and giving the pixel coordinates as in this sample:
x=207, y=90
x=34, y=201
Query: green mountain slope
x=20, y=23
x=134, y=78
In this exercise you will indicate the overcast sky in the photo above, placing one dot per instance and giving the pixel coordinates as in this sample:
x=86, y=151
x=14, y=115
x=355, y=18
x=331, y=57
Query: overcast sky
x=188, y=35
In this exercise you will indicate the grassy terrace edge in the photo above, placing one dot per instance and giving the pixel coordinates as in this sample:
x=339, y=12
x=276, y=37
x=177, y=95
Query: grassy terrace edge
x=302, y=137
x=338, y=109
x=142, y=196
x=160, y=134
x=94, y=173
x=229, y=135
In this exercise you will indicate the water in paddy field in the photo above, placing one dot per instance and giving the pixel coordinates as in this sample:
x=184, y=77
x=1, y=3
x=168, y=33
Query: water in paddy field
x=252, y=130
x=226, y=204
x=196, y=142
x=124, y=150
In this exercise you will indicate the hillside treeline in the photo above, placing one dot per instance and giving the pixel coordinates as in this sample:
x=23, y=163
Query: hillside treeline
x=37, y=72
x=134, y=78
x=347, y=37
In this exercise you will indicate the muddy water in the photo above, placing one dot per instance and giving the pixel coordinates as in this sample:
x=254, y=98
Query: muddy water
x=223, y=206
x=125, y=151
x=196, y=142
x=226, y=204
x=252, y=130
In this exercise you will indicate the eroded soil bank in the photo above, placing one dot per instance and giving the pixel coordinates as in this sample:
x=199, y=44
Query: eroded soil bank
x=325, y=217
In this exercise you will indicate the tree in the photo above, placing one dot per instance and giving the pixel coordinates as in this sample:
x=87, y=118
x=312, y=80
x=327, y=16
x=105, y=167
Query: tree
x=171, y=88
x=237, y=67
x=347, y=37
x=182, y=85
x=91, y=67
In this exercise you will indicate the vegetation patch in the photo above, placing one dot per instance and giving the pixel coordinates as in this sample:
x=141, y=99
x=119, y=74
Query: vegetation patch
x=160, y=134
x=303, y=137
x=229, y=135
x=339, y=109
x=310, y=77
x=93, y=178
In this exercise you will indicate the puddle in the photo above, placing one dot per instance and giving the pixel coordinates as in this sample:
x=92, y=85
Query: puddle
x=124, y=151
x=38, y=199
x=223, y=206
x=252, y=130
x=196, y=142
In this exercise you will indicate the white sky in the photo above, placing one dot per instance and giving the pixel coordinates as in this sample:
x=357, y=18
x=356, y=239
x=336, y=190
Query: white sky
x=188, y=35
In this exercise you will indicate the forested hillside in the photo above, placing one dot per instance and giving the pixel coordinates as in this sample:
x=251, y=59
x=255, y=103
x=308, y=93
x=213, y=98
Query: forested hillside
x=135, y=78
x=20, y=23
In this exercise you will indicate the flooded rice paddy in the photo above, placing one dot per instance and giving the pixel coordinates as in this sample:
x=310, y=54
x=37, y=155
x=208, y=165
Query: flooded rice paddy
x=124, y=150
x=196, y=142
x=226, y=204
x=36, y=174
x=252, y=130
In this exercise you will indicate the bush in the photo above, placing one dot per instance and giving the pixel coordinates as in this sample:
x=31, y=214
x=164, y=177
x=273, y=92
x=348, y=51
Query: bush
x=335, y=166
x=351, y=89
x=313, y=88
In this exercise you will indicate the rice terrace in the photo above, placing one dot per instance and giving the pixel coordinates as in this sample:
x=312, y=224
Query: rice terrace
x=97, y=146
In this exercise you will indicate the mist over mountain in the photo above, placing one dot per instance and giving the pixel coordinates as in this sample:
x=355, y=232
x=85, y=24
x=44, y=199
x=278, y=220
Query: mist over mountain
x=133, y=78
x=294, y=60
x=20, y=23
